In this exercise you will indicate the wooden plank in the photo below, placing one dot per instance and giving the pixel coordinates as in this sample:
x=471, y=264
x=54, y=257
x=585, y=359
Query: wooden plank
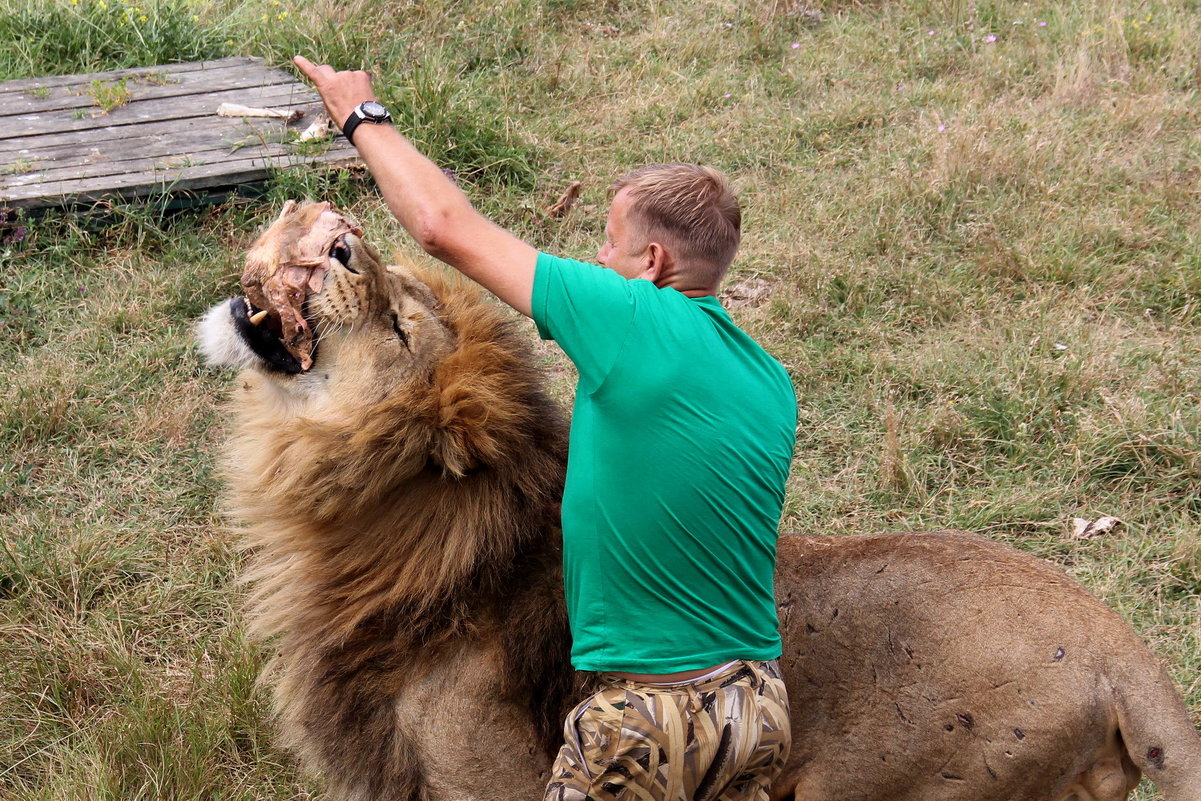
x=112, y=138
x=273, y=157
x=167, y=138
x=25, y=84
x=106, y=135
x=141, y=111
x=191, y=74
x=207, y=176
x=164, y=141
x=148, y=165
x=79, y=96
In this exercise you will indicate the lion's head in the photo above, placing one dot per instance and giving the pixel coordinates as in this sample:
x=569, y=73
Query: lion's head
x=409, y=370
x=325, y=319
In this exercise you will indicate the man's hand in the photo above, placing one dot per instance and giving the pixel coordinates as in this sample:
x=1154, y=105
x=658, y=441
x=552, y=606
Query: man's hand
x=341, y=91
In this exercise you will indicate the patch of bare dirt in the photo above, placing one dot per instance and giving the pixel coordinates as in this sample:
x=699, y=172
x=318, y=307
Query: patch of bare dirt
x=747, y=293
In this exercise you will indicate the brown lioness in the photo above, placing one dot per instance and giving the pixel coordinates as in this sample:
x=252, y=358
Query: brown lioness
x=400, y=500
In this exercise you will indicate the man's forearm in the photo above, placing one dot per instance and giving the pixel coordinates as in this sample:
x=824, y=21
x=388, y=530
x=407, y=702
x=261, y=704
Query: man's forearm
x=415, y=189
x=423, y=198
x=439, y=216
x=427, y=203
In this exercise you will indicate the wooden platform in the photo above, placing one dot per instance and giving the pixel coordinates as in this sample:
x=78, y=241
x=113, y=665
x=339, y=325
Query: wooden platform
x=58, y=145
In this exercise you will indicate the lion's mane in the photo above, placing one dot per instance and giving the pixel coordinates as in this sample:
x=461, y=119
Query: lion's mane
x=381, y=538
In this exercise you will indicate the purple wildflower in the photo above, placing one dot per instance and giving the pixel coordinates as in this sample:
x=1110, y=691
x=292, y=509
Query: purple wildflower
x=10, y=232
x=992, y=37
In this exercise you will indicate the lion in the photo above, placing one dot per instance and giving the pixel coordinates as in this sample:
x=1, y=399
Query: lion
x=399, y=499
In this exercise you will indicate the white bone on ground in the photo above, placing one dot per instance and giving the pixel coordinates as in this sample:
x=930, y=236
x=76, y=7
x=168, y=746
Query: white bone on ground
x=236, y=110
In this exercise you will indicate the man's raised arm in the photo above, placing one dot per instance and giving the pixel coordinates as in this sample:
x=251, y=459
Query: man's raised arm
x=426, y=202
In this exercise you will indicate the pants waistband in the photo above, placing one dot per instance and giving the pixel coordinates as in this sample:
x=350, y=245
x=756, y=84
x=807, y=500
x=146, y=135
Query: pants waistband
x=735, y=671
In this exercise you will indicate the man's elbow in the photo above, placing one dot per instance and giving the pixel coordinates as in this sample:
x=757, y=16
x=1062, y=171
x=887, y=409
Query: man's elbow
x=437, y=233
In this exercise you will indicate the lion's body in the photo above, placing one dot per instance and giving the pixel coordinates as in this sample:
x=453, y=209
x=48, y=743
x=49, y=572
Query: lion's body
x=946, y=666
x=401, y=508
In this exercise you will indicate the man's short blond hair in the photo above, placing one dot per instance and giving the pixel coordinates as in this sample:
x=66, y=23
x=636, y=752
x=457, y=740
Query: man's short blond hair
x=693, y=208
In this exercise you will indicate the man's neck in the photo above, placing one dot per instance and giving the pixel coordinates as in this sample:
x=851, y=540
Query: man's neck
x=684, y=288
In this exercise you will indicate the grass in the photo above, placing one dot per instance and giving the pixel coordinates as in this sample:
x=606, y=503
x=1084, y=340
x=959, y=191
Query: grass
x=65, y=37
x=984, y=273
x=109, y=96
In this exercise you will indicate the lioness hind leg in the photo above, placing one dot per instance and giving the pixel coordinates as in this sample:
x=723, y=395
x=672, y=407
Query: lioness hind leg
x=1158, y=732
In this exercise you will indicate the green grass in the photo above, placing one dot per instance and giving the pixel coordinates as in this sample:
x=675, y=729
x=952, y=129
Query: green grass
x=985, y=276
x=64, y=37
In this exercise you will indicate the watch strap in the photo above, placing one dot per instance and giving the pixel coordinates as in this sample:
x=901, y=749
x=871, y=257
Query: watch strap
x=356, y=117
x=352, y=122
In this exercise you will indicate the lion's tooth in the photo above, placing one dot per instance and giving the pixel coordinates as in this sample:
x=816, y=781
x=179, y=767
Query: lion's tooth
x=258, y=316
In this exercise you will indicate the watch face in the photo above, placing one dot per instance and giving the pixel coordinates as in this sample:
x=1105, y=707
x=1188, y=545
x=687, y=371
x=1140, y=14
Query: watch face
x=373, y=110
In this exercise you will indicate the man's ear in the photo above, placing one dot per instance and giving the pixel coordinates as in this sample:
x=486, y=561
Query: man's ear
x=658, y=263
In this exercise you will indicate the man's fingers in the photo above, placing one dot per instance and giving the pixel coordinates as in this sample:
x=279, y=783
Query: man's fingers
x=305, y=65
x=311, y=71
x=340, y=91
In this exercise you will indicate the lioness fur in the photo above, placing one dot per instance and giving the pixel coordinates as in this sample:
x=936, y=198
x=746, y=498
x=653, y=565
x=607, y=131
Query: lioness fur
x=400, y=504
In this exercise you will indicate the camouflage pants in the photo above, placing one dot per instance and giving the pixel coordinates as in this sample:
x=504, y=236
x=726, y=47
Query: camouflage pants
x=723, y=738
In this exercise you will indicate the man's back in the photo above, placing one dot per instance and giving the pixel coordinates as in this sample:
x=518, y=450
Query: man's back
x=681, y=439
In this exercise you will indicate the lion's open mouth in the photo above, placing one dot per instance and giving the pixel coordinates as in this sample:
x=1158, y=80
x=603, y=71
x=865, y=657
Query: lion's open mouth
x=263, y=334
x=286, y=267
x=264, y=329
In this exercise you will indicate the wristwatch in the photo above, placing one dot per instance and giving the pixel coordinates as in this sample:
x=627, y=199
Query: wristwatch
x=367, y=111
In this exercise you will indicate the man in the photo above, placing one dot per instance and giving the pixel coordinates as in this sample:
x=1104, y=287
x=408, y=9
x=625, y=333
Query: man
x=681, y=439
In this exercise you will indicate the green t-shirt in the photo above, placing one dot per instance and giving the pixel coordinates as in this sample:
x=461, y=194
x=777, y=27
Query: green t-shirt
x=681, y=440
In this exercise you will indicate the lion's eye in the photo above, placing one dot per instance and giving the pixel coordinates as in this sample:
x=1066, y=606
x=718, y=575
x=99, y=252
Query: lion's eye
x=401, y=334
x=341, y=252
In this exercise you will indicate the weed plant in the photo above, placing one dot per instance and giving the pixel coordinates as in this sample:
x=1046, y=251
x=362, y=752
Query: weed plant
x=65, y=37
x=970, y=233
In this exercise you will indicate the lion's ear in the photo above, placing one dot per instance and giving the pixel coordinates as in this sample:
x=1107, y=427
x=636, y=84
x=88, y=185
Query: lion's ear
x=289, y=207
x=472, y=416
x=453, y=455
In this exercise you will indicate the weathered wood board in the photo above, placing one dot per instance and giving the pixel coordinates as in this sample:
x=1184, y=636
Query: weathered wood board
x=161, y=133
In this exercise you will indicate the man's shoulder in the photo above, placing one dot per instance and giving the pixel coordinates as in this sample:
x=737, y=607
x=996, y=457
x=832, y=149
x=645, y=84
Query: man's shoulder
x=558, y=274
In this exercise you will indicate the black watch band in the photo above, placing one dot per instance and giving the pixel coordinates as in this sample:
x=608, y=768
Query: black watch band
x=369, y=111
